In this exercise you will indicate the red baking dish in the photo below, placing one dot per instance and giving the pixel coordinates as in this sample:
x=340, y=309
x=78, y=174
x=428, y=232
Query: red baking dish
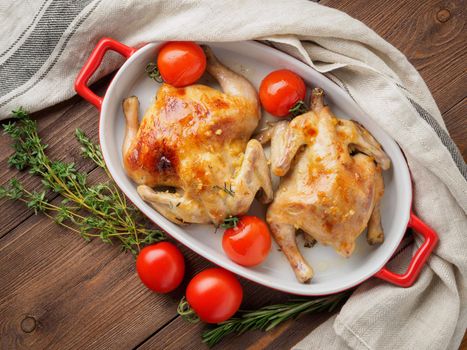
x=254, y=60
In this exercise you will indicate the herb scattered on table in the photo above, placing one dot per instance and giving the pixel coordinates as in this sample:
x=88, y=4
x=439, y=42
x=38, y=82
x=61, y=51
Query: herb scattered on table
x=99, y=210
x=268, y=317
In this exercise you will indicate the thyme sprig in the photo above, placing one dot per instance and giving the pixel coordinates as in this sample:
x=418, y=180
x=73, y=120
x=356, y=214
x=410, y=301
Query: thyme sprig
x=268, y=317
x=153, y=72
x=298, y=108
x=92, y=211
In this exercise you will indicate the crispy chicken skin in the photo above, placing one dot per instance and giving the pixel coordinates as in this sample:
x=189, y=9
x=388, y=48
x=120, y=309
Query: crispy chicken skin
x=196, y=140
x=331, y=183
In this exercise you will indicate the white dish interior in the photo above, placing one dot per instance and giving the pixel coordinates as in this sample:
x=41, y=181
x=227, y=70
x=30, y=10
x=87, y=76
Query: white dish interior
x=333, y=273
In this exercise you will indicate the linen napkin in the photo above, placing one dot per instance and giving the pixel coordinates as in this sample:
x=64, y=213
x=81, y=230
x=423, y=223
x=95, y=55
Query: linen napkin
x=49, y=40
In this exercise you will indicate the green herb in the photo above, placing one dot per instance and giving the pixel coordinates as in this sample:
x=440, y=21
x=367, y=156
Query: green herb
x=268, y=317
x=188, y=314
x=91, y=210
x=230, y=222
x=226, y=189
x=298, y=108
x=153, y=72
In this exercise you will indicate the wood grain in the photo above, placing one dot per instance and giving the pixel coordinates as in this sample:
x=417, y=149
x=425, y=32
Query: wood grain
x=59, y=292
x=73, y=291
x=180, y=334
x=463, y=345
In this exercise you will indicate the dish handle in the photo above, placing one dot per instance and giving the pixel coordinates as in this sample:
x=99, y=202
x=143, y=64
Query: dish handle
x=418, y=260
x=93, y=62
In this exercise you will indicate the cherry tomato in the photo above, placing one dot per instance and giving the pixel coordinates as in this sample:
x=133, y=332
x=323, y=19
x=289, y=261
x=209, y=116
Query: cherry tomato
x=214, y=294
x=248, y=243
x=161, y=267
x=280, y=91
x=181, y=63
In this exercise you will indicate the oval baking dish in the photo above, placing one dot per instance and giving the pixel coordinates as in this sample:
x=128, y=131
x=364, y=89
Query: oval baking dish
x=333, y=273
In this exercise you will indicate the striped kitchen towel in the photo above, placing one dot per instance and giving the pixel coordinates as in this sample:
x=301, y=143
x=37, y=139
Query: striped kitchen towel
x=45, y=42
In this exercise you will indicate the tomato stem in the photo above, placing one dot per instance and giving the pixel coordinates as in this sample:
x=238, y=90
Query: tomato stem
x=188, y=314
x=230, y=222
x=153, y=72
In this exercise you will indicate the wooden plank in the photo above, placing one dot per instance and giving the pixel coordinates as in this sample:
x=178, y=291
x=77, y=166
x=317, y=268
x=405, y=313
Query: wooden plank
x=463, y=345
x=180, y=334
x=72, y=294
x=430, y=33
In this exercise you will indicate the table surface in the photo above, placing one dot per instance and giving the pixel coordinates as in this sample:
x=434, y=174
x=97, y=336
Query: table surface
x=59, y=292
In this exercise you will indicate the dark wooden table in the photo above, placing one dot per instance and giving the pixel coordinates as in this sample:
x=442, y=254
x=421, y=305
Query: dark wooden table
x=58, y=292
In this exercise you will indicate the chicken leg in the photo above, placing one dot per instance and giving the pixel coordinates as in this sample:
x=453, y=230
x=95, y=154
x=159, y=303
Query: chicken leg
x=253, y=176
x=284, y=235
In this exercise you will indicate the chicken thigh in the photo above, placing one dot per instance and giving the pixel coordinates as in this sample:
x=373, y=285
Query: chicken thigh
x=192, y=156
x=331, y=183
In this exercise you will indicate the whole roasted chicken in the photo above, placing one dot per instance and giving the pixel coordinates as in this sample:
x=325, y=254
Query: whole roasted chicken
x=192, y=156
x=331, y=183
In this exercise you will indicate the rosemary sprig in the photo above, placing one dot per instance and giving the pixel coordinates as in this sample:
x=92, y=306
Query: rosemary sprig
x=268, y=317
x=298, y=108
x=153, y=72
x=230, y=222
x=91, y=210
x=226, y=189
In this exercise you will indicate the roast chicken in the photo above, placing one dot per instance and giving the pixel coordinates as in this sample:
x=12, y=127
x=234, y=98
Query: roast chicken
x=192, y=156
x=331, y=183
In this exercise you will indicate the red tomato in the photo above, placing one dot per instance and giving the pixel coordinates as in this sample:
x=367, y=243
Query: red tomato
x=181, y=63
x=280, y=90
x=248, y=243
x=214, y=294
x=161, y=267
